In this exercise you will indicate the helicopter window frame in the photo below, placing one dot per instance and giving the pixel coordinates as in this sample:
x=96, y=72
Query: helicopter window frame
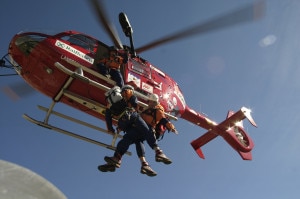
x=82, y=41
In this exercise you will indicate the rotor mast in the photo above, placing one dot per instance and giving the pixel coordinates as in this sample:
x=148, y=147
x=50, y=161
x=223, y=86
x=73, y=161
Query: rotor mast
x=127, y=29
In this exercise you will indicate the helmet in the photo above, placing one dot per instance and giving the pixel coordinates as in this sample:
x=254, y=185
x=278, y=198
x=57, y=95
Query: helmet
x=127, y=91
x=127, y=87
x=153, y=97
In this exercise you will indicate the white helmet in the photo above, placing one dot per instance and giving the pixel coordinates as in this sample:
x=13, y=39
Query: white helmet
x=153, y=97
x=127, y=87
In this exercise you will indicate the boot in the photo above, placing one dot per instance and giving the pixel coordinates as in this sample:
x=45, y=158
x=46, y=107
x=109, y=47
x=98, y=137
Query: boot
x=113, y=160
x=161, y=157
x=146, y=169
x=107, y=168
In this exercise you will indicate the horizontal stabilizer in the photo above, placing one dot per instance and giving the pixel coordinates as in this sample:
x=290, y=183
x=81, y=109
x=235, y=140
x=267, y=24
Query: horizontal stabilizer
x=234, y=118
x=202, y=140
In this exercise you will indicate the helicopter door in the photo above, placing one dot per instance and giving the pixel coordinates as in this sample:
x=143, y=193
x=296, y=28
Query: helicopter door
x=139, y=73
x=101, y=53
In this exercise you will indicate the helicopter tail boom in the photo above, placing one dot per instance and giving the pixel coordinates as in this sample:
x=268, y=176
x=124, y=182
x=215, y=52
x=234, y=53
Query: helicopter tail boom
x=232, y=130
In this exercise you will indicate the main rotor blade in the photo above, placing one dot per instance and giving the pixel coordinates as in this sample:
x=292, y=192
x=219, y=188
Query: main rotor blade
x=251, y=12
x=17, y=90
x=107, y=25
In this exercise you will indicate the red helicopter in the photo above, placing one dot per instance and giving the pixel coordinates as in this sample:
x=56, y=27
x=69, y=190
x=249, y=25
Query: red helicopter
x=62, y=66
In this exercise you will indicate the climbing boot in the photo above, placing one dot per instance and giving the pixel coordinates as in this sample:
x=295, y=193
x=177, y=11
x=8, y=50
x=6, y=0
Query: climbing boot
x=113, y=160
x=107, y=168
x=161, y=157
x=146, y=169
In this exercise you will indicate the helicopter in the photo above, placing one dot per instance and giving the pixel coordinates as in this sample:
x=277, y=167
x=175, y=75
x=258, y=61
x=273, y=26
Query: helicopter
x=63, y=67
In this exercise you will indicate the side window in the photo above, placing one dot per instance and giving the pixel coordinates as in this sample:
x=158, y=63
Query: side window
x=82, y=41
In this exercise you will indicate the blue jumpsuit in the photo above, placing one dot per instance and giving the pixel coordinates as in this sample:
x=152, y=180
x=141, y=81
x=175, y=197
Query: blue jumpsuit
x=116, y=109
x=135, y=127
x=137, y=131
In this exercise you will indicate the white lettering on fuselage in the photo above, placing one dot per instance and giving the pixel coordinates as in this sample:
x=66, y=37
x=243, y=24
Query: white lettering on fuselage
x=74, y=51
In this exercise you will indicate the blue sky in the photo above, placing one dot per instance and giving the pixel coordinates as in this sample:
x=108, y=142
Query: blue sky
x=254, y=65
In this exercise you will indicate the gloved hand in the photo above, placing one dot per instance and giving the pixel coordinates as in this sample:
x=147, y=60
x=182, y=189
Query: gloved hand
x=174, y=131
x=171, y=127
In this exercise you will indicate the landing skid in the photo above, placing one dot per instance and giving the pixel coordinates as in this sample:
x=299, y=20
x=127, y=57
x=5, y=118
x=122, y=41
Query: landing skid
x=48, y=126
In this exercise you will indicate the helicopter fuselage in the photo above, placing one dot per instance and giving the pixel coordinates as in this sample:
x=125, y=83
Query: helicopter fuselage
x=35, y=54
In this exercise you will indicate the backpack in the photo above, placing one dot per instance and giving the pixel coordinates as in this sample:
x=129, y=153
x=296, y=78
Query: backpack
x=116, y=101
x=113, y=95
x=160, y=129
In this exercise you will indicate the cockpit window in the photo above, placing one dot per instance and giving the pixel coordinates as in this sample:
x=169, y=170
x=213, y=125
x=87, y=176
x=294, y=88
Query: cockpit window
x=82, y=41
x=27, y=42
